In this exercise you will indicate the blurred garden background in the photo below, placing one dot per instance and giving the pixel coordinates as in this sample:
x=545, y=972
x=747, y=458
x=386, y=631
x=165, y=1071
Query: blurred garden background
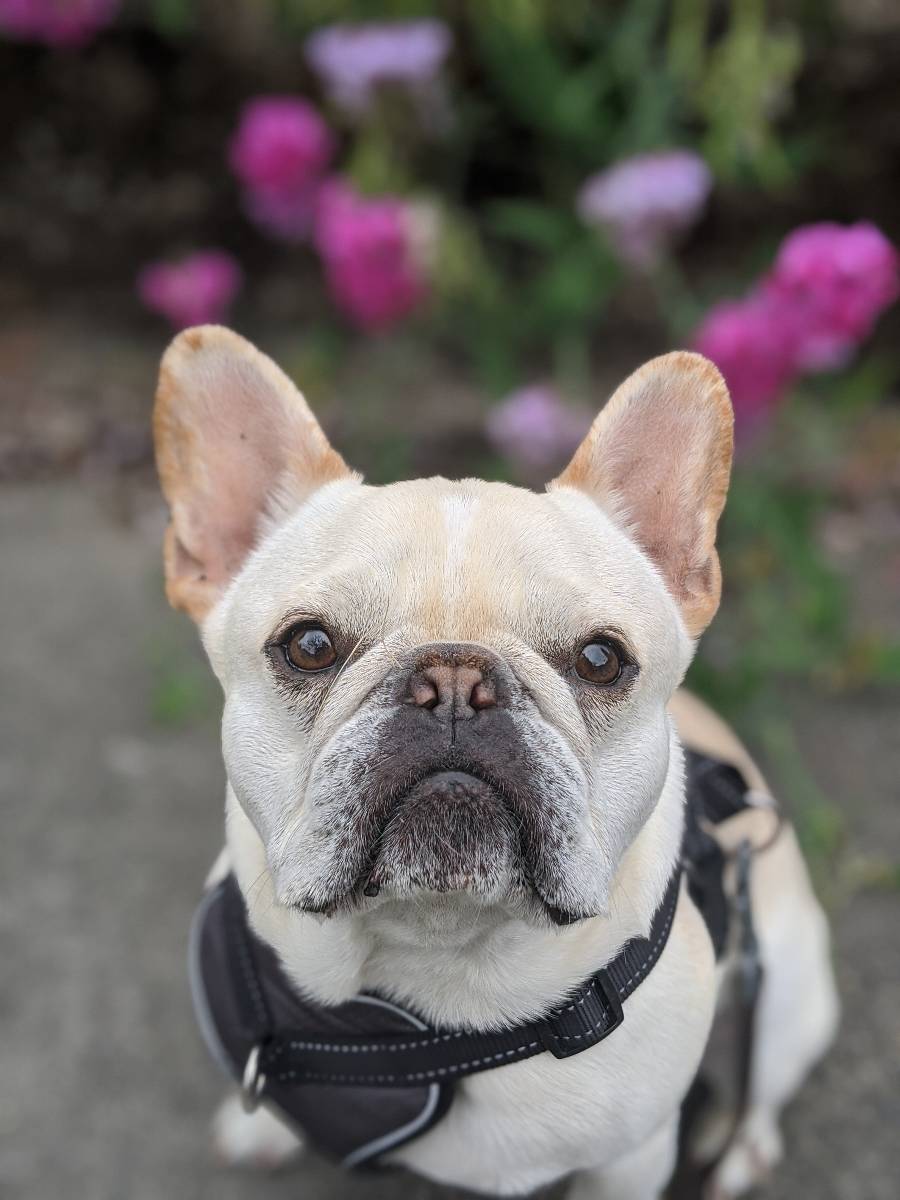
x=457, y=226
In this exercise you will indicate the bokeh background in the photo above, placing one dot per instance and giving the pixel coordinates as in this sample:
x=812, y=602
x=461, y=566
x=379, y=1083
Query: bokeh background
x=457, y=226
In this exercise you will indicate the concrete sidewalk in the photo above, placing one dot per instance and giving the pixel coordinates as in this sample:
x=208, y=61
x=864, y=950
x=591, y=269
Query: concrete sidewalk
x=111, y=819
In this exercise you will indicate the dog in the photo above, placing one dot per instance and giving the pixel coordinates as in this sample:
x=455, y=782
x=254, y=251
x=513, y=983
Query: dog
x=453, y=735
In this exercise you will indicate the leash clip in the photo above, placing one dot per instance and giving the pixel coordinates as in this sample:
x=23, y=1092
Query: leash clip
x=253, y=1080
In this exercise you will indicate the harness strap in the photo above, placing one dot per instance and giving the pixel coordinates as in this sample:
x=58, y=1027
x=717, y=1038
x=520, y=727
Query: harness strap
x=291, y=1057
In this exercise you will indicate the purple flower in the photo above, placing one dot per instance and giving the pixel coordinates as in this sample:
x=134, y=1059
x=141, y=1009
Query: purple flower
x=195, y=290
x=754, y=348
x=833, y=282
x=279, y=152
x=368, y=248
x=644, y=203
x=353, y=60
x=535, y=427
x=56, y=22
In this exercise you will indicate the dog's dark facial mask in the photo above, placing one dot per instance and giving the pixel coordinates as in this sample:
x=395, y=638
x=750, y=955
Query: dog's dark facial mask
x=447, y=778
x=452, y=728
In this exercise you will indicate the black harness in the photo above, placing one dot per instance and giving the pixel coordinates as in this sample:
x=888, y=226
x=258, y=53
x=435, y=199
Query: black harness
x=363, y=1077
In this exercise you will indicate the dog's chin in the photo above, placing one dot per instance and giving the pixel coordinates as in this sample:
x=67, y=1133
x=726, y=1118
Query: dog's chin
x=452, y=832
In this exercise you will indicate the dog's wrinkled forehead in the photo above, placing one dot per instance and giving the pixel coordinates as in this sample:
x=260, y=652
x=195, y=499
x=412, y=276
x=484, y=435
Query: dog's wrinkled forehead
x=434, y=560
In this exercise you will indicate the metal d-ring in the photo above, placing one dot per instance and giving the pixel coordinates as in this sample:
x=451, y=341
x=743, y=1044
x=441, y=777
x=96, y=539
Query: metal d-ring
x=253, y=1080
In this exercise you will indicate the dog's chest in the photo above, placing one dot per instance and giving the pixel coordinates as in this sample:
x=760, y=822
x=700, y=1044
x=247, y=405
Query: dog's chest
x=521, y=1126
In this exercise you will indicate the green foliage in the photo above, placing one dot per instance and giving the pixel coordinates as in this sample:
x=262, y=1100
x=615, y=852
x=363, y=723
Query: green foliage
x=181, y=690
x=737, y=85
x=181, y=697
x=173, y=18
x=786, y=624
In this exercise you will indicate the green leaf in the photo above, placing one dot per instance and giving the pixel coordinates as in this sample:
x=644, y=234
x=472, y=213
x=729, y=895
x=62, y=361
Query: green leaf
x=531, y=222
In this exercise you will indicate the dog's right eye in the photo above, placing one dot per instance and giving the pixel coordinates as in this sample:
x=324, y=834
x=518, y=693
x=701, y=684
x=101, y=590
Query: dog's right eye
x=310, y=649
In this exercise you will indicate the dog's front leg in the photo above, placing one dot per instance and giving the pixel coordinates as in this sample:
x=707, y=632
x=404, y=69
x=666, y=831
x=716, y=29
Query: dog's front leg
x=640, y=1175
x=252, y=1139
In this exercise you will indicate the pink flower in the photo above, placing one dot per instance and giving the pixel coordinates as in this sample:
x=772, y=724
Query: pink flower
x=834, y=281
x=829, y=285
x=535, y=427
x=353, y=60
x=196, y=290
x=645, y=202
x=754, y=348
x=368, y=250
x=279, y=152
x=56, y=22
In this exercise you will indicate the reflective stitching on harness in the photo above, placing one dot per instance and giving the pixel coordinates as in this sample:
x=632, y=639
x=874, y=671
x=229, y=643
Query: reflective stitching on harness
x=571, y=1007
x=576, y=1037
x=444, y=1037
x=412, y=1076
x=327, y=1047
x=655, y=951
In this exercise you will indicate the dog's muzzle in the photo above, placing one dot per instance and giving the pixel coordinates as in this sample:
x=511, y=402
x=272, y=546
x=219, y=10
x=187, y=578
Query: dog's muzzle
x=462, y=788
x=451, y=828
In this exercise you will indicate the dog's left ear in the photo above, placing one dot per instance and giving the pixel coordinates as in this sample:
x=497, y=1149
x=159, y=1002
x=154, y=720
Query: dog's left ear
x=235, y=441
x=658, y=458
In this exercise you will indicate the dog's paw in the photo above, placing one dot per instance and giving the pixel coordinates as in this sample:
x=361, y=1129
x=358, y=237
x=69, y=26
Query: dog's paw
x=258, y=1140
x=756, y=1150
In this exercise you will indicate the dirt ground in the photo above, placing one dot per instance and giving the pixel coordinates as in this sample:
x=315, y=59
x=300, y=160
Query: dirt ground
x=111, y=789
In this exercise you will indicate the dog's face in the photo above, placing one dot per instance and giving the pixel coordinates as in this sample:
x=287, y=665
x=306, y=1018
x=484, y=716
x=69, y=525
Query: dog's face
x=438, y=687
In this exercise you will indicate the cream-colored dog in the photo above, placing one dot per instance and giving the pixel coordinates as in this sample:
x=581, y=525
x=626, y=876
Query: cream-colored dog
x=360, y=632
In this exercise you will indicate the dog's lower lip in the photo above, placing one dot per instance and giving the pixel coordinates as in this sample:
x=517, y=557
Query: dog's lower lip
x=457, y=775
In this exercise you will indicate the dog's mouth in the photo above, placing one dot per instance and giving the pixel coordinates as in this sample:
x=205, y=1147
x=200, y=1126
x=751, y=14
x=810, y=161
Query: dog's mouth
x=454, y=829
x=451, y=831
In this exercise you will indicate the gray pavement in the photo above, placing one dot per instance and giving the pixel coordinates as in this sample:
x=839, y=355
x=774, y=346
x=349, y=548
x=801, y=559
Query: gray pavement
x=110, y=791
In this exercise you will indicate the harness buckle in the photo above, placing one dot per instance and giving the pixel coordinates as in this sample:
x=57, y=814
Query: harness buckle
x=585, y=1021
x=253, y=1080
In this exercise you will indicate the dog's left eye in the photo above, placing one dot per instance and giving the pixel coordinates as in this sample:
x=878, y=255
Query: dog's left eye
x=310, y=648
x=600, y=662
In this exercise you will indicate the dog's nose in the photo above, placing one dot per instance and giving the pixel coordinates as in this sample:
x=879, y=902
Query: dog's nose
x=458, y=680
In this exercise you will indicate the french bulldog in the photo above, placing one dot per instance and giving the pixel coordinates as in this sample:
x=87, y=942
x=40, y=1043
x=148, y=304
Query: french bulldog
x=453, y=738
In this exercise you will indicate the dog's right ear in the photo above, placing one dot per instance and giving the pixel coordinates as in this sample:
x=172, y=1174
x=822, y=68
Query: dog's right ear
x=231, y=433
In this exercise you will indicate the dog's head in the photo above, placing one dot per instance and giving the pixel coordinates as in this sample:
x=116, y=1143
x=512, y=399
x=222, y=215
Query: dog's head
x=441, y=687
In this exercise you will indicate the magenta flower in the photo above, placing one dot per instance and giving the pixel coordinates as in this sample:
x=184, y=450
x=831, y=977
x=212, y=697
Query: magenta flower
x=56, y=22
x=353, y=60
x=754, y=348
x=368, y=248
x=644, y=203
x=833, y=281
x=829, y=285
x=196, y=290
x=536, y=428
x=279, y=152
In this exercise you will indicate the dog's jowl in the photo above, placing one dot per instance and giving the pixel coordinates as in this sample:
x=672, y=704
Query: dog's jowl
x=488, y=870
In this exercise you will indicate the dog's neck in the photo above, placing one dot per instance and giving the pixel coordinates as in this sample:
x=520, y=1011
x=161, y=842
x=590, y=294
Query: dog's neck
x=453, y=963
